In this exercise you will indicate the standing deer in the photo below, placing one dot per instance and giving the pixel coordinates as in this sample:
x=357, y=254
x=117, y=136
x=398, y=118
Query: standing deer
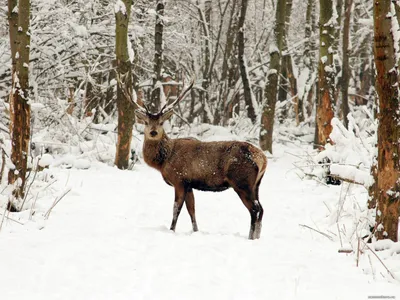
x=188, y=164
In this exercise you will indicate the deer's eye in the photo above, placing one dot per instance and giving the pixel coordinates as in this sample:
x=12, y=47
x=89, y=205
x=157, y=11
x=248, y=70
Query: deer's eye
x=146, y=123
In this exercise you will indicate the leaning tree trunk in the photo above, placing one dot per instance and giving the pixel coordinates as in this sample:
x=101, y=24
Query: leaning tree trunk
x=126, y=116
x=248, y=97
x=326, y=69
x=158, y=57
x=20, y=113
x=345, y=65
x=271, y=87
x=385, y=191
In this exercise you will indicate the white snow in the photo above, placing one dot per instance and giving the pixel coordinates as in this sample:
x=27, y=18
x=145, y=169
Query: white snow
x=328, y=69
x=46, y=160
x=119, y=6
x=131, y=52
x=273, y=48
x=108, y=238
x=395, y=32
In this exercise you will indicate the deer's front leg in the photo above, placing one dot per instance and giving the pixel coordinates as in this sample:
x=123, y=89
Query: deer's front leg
x=189, y=200
x=180, y=194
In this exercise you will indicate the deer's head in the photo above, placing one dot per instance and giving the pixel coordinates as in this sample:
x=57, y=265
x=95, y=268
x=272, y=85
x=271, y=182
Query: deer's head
x=153, y=129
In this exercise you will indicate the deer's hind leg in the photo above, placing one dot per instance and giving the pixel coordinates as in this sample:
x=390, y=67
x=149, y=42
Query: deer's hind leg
x=256, y=211
x=257, y=232
x=189, y=201
x=247, y=190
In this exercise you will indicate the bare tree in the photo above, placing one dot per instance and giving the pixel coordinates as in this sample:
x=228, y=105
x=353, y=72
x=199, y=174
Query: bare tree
x=345, y=64
x=308, y=61
x=326, y=71
x=362, y=56
x=205, y=18
x=13, y=26
x=20, y=113
x=248, y=97
x=230, y=72
x=271, y=88
x=385, y=191
x=158, y=56
x=126, y=116
x=288, y=66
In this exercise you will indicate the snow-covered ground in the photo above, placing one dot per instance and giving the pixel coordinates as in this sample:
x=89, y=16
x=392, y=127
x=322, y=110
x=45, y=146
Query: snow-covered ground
x=108, y=238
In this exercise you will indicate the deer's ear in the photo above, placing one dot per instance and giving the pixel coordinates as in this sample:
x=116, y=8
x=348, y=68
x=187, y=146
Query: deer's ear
x=167, y=115
x=141, y=116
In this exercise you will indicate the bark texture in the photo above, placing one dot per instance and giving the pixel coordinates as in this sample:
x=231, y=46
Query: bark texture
x=271, y=88
x=385, y=192
x=126, y=116
x=326, y=69
x=20, y=113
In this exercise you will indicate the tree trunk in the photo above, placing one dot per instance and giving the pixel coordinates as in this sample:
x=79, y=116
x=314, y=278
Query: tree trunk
x=290, y=77
x=13, y=26
x=338, y=21
x=365, y=73
x=283, y=78
x=126, y=116
x=71, y=99
x=230, y=72
x=20, y=113
x=204, y=97
x=326, y=70
x=158, y=56
x=248, y=97
x=338, y=29
x=387, y=179
x=271, y=87
x=345, y=66
x=308, y=60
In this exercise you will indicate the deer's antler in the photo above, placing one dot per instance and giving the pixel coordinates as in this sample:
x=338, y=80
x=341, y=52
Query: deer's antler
x=128, y=95
x=168, y=107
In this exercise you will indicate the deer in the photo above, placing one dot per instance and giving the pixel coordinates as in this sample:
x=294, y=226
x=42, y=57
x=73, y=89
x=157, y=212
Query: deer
x=189, y=164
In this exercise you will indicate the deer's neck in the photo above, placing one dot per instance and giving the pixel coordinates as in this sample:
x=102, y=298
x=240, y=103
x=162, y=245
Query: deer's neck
x=156, y=152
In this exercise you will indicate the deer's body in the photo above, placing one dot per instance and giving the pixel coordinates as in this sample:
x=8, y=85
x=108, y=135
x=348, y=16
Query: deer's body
x=188, y=164
x=205, y=166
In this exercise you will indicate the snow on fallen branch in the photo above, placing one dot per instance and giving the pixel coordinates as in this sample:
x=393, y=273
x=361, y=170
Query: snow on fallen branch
x=351, y=174
x=349, y=157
